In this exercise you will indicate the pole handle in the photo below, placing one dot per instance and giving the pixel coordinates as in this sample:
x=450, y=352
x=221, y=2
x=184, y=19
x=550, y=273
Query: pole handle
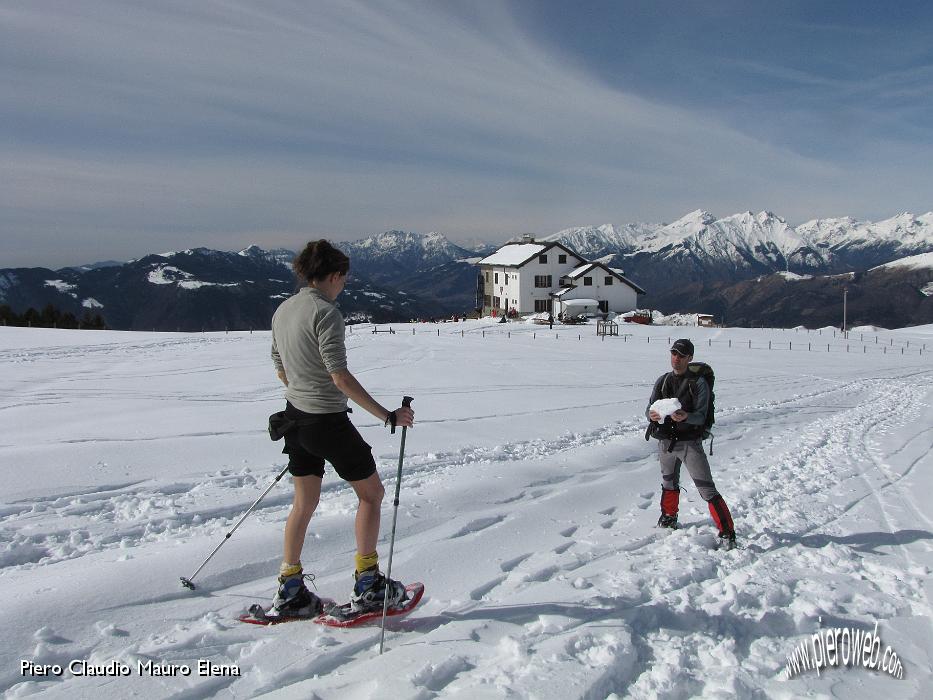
x=406, y=402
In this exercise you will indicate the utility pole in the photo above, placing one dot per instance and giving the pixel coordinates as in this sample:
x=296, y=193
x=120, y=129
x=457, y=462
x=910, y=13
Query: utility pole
x=845, y=293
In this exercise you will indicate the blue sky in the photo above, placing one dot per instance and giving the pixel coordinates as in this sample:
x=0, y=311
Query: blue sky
x=147, y=125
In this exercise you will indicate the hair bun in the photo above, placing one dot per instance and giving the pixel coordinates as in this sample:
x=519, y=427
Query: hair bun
x=320, y=259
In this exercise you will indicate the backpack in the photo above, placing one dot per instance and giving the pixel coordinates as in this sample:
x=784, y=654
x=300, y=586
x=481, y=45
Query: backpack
x=701, y=369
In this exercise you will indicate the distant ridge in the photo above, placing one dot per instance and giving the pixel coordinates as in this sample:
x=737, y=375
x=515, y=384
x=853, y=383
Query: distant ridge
x=746, y=269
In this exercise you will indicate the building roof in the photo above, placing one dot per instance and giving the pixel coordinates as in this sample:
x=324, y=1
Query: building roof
x=589, y=268
x=517, y=254
x=578, y=272
x=514, y=254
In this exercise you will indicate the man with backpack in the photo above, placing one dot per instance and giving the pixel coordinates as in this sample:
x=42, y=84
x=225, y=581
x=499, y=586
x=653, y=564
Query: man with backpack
x=680, y=435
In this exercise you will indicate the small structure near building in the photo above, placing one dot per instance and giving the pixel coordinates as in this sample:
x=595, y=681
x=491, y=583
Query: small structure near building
x=705, y=320
x=574, y=308
x=607, y=328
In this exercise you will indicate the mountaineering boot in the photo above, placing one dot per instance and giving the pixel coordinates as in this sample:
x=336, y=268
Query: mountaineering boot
x=293, y=599
x=372, y=588
x=726, y=540
x=723, y=519
x=670, y=503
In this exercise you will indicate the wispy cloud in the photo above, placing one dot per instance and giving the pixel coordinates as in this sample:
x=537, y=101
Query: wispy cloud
x=133, y=126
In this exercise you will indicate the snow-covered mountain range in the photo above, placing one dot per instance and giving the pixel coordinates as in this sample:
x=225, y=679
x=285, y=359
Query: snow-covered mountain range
x=403, y=248
x=763, y=241
x=699, y=263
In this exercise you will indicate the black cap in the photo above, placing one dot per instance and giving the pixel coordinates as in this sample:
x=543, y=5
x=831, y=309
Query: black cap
x=683, y=347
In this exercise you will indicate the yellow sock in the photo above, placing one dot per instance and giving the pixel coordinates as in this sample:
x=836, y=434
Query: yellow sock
x=366, y=561
x=287, y=569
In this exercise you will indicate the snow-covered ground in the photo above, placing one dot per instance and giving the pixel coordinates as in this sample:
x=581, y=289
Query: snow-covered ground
x=528, y=506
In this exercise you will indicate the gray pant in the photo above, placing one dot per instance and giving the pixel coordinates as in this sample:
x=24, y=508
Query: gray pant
x=690, y=453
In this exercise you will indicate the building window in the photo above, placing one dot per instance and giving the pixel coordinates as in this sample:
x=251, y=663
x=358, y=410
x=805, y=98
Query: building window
x=496, y=302
x=487, y=276
x=565, y=282
x=506, y=277
x=587, y=281
x=541, y=305
x=542, y=259
x=608, y=281
x=497, y=278
x=562, y=259
x=543, y=281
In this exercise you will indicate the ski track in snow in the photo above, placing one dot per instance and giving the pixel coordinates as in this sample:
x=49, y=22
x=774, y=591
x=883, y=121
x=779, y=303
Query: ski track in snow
x=545, y=577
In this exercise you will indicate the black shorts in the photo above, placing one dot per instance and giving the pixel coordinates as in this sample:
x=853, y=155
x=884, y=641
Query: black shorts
x=331, y=437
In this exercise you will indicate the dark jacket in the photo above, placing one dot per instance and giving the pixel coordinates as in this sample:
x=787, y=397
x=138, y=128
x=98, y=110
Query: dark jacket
x=693, y=394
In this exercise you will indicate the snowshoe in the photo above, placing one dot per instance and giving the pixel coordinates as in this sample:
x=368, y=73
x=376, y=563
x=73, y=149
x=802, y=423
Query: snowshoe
x=344, y=616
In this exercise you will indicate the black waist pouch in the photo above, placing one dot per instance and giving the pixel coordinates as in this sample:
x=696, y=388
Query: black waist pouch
x=282, y=423
x=279, y=424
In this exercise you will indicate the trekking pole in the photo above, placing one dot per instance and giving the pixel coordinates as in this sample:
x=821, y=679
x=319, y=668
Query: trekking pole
x=406, y=402
x=189, y=582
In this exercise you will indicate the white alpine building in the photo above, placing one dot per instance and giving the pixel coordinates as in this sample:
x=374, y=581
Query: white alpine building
x=536, y=277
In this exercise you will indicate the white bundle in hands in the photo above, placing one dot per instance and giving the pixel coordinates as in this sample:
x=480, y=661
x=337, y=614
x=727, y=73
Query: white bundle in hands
x=665, y=407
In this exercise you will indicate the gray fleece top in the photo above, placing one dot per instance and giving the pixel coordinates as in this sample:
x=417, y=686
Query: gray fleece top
x=308, y=343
